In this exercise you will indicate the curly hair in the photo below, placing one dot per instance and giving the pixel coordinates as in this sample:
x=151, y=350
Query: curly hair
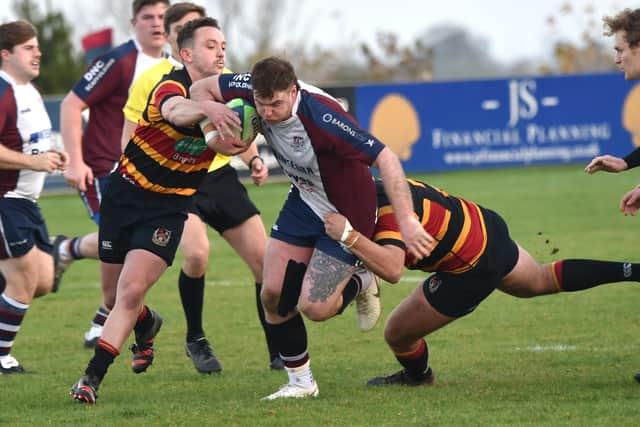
x=628, y=21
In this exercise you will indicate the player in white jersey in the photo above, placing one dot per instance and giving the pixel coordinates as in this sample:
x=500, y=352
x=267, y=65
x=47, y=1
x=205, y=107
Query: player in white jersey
x=326, y=155
x=26, y=261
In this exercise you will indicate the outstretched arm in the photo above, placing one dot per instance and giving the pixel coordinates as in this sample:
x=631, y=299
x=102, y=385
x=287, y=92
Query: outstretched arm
x=606, y=163
x=418, y=241
x=386, y=261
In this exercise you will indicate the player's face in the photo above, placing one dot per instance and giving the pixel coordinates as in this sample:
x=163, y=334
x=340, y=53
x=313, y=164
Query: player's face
x=627, y=57
x=208, y=53
x=148, y=26
x=23, y=63
x=277, y=108
x=175, y=28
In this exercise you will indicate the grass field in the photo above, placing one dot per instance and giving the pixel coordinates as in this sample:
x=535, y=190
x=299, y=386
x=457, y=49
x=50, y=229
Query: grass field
x=558, y=360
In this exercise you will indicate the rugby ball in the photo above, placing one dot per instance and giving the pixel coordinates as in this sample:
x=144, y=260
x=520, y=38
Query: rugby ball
x=249, y=120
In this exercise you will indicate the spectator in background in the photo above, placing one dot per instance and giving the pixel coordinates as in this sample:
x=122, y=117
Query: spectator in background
x=26, y=157
x=93, y=152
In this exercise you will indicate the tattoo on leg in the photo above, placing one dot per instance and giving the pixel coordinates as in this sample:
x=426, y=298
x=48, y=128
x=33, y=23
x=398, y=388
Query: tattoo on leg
x=325, y=274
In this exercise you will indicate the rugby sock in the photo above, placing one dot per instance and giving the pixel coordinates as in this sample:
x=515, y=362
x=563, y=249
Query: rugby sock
x=103, y=356
x=577, y=274
x=271, y=342
x=192, y=298
x=11, y=314
x=144, y=322
x=291, y=340
x=416, y=362
x=3, y=282
x=74, y=248
x=100, y=317
x=350, y=292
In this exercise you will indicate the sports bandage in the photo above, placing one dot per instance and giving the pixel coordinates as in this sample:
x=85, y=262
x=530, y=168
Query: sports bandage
x=347, y=229
x=208, y=129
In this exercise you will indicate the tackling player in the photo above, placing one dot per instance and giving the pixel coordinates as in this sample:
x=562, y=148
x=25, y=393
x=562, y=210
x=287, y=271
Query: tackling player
x=474, y=255
x=146, y=203
x=221, y=201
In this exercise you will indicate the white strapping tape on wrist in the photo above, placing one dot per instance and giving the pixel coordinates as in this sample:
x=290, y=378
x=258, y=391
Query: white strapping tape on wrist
x=347, y=229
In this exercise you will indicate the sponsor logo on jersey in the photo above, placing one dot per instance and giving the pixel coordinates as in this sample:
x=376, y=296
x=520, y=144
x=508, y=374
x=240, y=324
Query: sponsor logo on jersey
x=161, y=236
x=191, y=146
x=297, y=143
x=107, y=245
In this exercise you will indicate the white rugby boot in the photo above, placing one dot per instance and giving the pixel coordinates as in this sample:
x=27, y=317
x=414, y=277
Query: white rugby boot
x=368, y=304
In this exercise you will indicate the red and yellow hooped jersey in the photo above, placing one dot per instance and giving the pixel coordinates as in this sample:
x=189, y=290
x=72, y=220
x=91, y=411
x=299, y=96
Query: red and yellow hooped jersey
x=458, y=226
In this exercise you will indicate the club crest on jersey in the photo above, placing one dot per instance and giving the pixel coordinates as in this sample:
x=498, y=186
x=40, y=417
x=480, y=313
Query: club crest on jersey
x=161, y=237
x=297, y=143
x=434, y=284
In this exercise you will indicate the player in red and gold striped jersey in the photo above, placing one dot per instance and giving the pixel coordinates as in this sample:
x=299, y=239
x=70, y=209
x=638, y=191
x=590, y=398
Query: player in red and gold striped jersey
x=473, y=255
x=145, y=205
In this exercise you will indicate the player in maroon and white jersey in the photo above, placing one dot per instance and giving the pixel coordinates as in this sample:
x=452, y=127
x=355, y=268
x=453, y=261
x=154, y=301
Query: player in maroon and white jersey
x=26, y=262
x=326, y=155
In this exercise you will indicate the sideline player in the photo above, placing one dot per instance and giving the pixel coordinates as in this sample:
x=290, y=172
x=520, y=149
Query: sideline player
x=103, y=89
x=625, y=27
x=326, y=156
x=474, y=255
x=221, y=201
x=146, y=203
x=26, y=157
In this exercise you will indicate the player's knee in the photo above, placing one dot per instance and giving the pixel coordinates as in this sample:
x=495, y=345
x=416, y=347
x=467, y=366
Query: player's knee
x=314, y=311
x=196, y=261
x=270, y=298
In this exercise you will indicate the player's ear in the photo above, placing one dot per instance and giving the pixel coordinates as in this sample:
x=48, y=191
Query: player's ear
x=185, y=54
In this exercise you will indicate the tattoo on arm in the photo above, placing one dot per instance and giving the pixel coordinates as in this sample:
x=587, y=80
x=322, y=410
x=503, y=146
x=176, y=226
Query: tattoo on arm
x=325, y=274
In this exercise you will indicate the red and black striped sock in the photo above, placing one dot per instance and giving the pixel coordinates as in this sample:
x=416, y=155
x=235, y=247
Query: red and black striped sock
x=415, y=362
x=103, y=356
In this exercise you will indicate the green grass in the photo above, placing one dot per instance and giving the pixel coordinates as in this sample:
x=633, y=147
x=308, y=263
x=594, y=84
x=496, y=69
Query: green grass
x=558, y=360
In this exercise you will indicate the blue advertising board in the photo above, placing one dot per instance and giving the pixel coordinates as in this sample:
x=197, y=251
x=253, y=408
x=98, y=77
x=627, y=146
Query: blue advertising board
x=508, y=122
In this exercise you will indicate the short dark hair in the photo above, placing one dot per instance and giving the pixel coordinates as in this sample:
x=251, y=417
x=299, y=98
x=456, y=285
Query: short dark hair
x=15, y=33
x=139, y=4
x=628, y=21
x=271, y=75
x=185, y=36
x=177, y=11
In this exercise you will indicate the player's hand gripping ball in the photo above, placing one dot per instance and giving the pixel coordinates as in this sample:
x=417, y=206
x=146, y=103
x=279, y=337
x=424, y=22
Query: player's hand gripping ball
x=248, y=117
x=249, y=120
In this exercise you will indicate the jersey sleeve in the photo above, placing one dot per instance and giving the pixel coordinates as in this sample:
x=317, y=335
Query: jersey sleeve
x=7, y=108
x=387, y=231
x=106, y=75
x=164, y=91
x=333, y=129
x=236, y=86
